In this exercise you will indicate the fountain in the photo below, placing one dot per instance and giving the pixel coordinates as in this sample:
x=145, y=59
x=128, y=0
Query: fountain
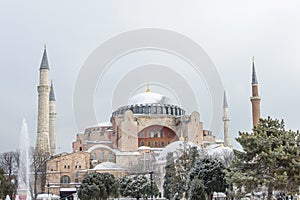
x=23, y=191
x=7, y=197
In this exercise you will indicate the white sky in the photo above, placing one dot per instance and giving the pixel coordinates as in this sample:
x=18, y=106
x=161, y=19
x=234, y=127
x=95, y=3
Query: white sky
x=231, y=32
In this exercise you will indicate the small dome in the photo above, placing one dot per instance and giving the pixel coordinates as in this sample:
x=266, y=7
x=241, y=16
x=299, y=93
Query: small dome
x=107, y=166
x=218, y=151
x=148, y=98
x=175, y=147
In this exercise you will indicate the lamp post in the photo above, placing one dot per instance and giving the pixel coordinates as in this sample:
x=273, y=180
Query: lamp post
x=151, y=184
x=48, y=187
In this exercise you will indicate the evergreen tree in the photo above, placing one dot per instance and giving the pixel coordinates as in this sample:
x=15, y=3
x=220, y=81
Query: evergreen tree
x=270, y=157
x=183, y=166
x=171, y=180
x=197, y=190
x=175, y=185
x=211, y=173
x=137, y=186
x=96, y=186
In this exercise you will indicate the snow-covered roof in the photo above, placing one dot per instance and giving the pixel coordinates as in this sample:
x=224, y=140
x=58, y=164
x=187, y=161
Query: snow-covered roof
x=107, y=166
x=148, y=98
x=174, y=147
x=127, y=153
x=46, y=196
x=141, y=148
x=68, y=189
x=104, y=124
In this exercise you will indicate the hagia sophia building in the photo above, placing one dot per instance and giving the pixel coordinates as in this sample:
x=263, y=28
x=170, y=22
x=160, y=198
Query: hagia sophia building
x=136, y=139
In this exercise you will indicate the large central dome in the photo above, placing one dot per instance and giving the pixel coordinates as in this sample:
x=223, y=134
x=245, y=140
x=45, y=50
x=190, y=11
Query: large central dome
x=148, y=98
x=150, y=103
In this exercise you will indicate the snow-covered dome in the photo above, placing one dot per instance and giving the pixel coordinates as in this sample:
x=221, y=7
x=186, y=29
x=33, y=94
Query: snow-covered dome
x=148, y=98
x=148, y=102
x=175, y=147
x=107, y=166
x=218, y=151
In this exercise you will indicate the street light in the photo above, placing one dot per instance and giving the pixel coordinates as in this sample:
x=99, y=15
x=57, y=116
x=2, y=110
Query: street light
x=151, y=184
x=48, y=186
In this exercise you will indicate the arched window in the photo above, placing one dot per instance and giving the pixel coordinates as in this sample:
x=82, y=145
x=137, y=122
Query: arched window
x=169, y=135
x=109, y=157
x=142, y=143
x=149, y=134
x=101, y=155
x=162, y=144
x=80, y=148
x=161, y=133
x=155, y=133
x=65, y=179
x=149, y=144
x=156, y=143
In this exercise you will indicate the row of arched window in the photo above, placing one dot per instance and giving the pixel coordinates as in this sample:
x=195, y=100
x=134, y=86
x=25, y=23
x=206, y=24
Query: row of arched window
x=151, y=109
x=154, y=144
x=155, y=134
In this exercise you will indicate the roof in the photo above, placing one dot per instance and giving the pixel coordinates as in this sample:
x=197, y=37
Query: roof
x=107, y=166
x=46, y=196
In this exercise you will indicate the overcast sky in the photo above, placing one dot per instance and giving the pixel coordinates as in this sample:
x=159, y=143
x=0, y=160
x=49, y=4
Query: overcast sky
x=230, y=32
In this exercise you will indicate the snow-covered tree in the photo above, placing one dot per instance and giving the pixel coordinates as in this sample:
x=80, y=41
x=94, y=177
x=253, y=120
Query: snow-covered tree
x=197, y=190
x=96, y=186
x=171, y=181
x=183, y=165
x=270, y=157
x=177, y=170
x=137, y=186
x=211, y=173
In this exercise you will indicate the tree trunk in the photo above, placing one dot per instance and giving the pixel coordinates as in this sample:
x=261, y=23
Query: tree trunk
x=270, y=192
x=210, y=196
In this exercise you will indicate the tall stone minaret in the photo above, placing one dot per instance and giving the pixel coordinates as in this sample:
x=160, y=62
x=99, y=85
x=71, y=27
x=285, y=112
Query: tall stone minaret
x=42, y=143
x=52, y=121
x=226, y=121
x=255, y=99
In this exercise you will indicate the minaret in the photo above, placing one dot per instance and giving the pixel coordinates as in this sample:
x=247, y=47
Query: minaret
x=255, y=99
x=52, y=121
x=226, y=121
x=42, y=143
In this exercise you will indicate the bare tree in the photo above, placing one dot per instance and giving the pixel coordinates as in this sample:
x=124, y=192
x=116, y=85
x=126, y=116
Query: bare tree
x=9, y=162
x=39, y=160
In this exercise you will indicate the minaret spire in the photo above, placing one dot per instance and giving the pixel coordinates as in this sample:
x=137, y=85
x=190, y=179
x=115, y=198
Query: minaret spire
x=254, y=78
x=225, y=104
x=52, y=121
x=52, y=96
x=226, y=121
x=44, y=63
x=255, y=99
